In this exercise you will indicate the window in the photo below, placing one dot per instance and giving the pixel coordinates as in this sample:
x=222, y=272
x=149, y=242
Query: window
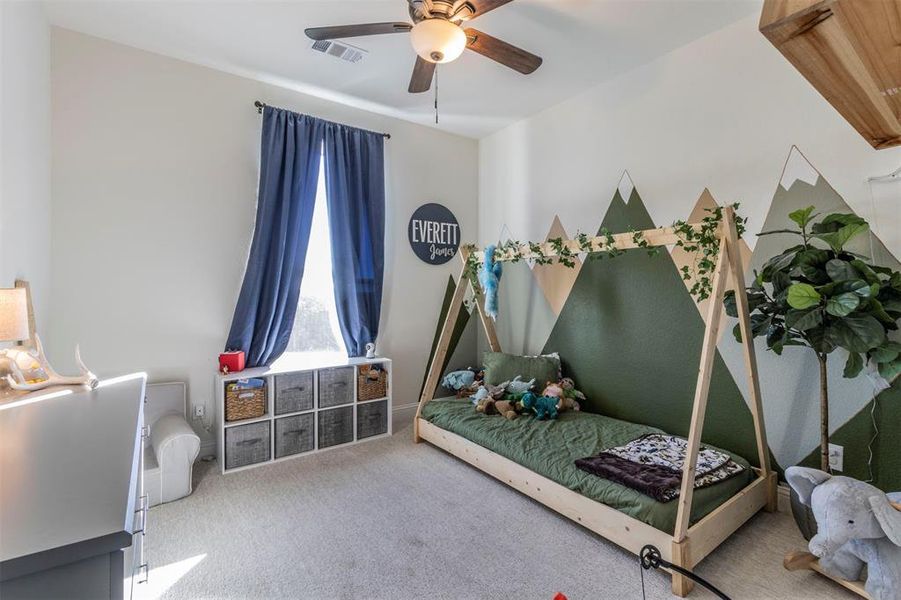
x=316, y=327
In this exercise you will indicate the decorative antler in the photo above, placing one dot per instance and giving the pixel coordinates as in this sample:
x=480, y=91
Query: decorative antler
x=17, y=381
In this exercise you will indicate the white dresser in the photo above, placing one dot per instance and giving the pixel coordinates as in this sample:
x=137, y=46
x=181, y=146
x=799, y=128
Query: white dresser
x=311, y=405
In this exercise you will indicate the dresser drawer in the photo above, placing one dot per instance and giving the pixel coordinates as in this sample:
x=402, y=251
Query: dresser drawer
x=293, y=392
x=372, y=419
x=336, y=386
x=247, y=444
x=294, y=435
x=336, y=426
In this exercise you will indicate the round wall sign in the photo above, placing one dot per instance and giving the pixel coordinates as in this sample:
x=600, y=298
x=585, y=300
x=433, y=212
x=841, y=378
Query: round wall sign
x=434, y=234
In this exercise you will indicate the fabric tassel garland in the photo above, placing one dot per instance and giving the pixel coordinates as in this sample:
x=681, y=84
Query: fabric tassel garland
x=489, y=277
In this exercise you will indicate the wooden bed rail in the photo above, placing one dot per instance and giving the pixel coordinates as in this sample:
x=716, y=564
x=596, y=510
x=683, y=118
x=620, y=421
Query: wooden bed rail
x=689, y=543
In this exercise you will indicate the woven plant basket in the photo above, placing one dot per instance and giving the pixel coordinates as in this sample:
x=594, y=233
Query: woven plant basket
x=370, y=389
x=243, y=404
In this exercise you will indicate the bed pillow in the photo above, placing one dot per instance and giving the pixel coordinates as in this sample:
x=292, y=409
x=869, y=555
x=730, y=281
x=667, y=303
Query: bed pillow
x=500, y=367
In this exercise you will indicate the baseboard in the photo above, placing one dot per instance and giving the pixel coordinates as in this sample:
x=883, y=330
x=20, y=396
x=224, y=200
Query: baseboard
x=207, y=448
x=402, y=415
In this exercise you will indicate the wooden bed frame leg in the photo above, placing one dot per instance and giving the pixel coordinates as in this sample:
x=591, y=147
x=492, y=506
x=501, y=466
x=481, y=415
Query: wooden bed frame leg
x=772, y=493
x=682, y=585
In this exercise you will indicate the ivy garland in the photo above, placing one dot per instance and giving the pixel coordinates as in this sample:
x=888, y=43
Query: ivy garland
x=702, y=242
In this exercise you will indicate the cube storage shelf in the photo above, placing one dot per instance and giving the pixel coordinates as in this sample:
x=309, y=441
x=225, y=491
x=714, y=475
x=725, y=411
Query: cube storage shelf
x=310, y=406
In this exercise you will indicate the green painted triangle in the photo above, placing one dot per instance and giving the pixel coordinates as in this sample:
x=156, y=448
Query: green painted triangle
x=790, y=382
x=456, y=334
x=630, y=335
x=855, y=436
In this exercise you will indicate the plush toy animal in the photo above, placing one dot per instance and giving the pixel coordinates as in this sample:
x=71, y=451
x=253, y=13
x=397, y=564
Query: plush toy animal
x=457, y=380
x=495, y=392
x=544, y=407
x=489, y=277
x=518, y=387
x=571, y=396
x=552, y=389
x=857, y=525
x=490, y=406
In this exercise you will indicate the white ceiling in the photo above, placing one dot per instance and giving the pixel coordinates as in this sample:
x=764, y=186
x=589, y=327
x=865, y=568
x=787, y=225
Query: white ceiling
x=582, y=42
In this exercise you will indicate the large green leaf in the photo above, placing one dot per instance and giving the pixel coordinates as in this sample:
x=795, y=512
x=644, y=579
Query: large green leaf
x=875, y=308
x=865, y=270
x=802, y=320
x=838, y=239
x=803, y=295
x=858, y=286
x=887, y=352
x=819, y=341
x=781, y=281
x=840, y=270
x=843, y=304
x=814, y=257
x=836, y=221
x=856, y=333
x=853, y=366
x=802, y=216
x=778, y=263
x=890, y=370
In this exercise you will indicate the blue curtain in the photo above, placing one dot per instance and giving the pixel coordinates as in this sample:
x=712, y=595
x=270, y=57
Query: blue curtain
x=290, y=153
x=355, y=188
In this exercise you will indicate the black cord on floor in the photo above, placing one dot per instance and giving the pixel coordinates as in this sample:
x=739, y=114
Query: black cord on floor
x=649, y=557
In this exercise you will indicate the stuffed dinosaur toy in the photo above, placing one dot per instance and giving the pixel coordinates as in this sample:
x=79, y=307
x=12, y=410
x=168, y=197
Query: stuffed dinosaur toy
x=857, y=524
x=489, y=277
x=544, y=407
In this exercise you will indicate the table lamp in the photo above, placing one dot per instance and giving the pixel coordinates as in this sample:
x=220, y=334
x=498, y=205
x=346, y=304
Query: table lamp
x=28, y=369
x=13, y=315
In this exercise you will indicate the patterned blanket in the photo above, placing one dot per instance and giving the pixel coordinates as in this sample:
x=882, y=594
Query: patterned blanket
x=652, y=464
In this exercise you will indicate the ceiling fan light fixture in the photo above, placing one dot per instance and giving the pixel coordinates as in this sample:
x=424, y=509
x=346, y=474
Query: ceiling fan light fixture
x=438, y=40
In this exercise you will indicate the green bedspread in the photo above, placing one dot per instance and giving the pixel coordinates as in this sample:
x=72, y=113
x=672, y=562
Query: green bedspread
x=550, y=447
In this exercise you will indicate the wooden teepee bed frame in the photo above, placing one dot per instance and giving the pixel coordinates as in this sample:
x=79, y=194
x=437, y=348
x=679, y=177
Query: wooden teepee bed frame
x=688, y=544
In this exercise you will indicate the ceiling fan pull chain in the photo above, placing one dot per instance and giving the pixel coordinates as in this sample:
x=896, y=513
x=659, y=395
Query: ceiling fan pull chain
x=436, y=95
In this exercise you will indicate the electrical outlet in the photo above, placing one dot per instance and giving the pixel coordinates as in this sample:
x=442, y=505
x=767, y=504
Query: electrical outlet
x=836, y=457
x=198, y=411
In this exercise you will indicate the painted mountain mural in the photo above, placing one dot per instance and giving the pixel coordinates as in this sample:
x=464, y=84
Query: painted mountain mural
x=789, y=383
x=630, y=334
x=525, y=318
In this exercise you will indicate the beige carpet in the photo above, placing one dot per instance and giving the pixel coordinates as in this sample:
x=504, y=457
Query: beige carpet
x=395, y=520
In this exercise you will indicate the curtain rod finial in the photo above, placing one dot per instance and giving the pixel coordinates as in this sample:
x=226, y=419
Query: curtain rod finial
x=259, y=105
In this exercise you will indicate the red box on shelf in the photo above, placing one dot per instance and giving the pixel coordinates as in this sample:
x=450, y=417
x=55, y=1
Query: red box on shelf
x=231, y=362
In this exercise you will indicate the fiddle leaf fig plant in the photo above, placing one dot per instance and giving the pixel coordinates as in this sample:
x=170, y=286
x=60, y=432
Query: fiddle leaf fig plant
x=822, y=296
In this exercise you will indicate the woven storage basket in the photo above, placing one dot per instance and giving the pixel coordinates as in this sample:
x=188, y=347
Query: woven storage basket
x=370, y=389
x=372, y=419
x=244, y=403
x=336, y=386
x=336, y=426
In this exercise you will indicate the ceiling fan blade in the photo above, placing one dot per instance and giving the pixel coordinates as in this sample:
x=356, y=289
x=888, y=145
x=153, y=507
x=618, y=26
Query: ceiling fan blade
x=346, y=31
x=502, y=52
x=483, y=6
x=421, y=81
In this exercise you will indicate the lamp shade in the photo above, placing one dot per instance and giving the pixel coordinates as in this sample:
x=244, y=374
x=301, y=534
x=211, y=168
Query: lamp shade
x=13, y=315
x=437, y=40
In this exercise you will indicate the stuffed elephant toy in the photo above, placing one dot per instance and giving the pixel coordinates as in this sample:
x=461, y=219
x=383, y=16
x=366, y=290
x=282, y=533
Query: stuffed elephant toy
x=857, y=524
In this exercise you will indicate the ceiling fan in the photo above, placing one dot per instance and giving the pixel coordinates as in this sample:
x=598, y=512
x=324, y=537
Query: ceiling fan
x=438, y=36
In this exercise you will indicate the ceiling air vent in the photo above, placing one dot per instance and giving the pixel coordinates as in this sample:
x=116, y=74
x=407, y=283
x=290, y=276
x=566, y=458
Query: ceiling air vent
x=351, y=54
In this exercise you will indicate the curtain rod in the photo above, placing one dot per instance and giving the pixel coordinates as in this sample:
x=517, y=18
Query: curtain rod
x=260, y=106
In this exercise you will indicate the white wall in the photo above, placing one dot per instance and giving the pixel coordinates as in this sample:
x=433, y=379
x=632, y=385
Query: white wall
x=154, y=188
x=25, y=151
x=721, y=112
